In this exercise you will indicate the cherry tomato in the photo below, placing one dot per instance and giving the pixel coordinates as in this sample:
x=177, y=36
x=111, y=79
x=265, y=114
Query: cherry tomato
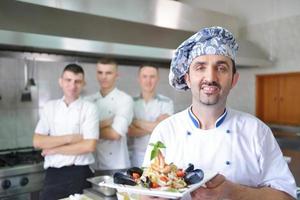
x=154, y=185
x=164, y=178
x=180, y=173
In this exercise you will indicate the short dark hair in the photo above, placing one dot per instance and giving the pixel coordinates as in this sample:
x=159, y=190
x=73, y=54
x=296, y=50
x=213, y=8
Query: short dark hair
x=148, y=64
x=107, y=61
x=75, y=68
x=233, y=66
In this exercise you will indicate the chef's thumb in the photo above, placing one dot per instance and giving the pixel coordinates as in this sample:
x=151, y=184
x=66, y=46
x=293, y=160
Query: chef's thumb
x=216, y=181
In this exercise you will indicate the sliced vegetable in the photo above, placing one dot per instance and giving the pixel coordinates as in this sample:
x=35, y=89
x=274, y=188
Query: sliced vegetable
x=154, y=185
x=164, y=178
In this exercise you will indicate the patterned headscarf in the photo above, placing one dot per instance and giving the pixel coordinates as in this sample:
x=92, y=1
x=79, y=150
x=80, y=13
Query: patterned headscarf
x=208, y=41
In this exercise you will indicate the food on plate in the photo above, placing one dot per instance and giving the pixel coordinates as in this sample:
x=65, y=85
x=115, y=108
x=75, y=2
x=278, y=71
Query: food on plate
x=160, y=174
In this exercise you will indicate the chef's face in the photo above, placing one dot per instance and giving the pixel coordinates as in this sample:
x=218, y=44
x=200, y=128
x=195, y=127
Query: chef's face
x=71, y=84
x=148, y=78
x=210, y=78
x=107, y=75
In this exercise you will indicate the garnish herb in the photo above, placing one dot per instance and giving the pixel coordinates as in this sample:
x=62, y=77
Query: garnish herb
x=158, y=145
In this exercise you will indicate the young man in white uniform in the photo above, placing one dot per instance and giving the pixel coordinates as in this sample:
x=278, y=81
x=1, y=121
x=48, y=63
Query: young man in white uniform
x=150, y=108
x=238, y=146
x=67, y=133
x=115, y=108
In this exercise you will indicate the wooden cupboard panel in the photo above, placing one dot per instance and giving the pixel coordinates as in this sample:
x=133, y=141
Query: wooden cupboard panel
x=270, y=99
x=278, y=98
x=289, y=99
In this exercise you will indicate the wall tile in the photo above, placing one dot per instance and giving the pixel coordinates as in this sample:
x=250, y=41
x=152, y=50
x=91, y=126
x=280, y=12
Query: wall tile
x=8, y=69
x=26, y=123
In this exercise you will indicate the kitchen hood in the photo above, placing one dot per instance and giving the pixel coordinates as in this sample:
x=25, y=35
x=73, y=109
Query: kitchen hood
x=131, y=29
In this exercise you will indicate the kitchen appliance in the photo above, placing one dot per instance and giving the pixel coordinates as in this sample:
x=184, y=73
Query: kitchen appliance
x=26, y=93
x=102, y=193
x=106, y=191
x=21, y=173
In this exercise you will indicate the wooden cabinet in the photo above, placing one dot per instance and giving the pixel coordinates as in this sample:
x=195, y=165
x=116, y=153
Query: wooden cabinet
x=278, y=98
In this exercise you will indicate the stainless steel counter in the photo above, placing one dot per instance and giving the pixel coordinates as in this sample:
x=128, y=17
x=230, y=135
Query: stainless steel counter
x=91, y=193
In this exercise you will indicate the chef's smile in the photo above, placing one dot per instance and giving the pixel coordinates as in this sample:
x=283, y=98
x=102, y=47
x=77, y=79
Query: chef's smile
x=210, y=88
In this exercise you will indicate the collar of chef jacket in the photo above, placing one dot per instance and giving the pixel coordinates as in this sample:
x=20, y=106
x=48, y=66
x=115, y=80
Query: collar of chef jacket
x=196, y=122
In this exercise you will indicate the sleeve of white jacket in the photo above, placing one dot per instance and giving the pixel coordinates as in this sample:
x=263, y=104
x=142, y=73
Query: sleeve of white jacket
x=168, y=107
x=275, y=171
x=123, y=116
x=90, y=124
x=43, y=125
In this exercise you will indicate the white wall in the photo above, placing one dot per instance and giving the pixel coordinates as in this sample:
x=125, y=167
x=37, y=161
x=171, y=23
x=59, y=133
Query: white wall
x=281, y=39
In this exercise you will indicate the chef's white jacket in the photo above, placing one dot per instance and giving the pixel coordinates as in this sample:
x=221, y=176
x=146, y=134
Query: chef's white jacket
x=56, y=119
x=113, y=154
x=148, y=111
x=240, y=147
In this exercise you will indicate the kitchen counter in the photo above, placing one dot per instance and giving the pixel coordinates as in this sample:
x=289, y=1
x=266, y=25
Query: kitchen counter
x=91, y=193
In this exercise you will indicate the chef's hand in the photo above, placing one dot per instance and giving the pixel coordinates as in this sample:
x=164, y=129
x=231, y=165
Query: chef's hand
x=143, y=197
x=74, y=138
x=216, y=189
x=162, y=117
x=138, y=123
x=106, y=122
x=47, y=152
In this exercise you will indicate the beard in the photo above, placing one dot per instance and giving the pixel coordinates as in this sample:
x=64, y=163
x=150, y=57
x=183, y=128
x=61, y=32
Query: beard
x=209, y=97
x=209, y=101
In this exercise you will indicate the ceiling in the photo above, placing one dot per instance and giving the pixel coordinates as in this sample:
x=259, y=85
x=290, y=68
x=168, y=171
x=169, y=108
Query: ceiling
x=250, y=12
x=149, y=29
x=137, y=28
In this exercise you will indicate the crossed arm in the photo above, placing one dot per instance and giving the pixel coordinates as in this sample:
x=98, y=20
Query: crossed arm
x=142, y=127
x=106, y=130
x=72, y=144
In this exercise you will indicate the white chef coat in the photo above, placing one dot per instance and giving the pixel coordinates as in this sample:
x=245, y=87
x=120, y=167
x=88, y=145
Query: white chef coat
x=57, y=119
x=148, y=111
x=113, y=154
x=241, y=147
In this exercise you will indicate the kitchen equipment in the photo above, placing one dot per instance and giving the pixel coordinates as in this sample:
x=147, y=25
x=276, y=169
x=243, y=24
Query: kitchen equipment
x=106, y=191
x=21, y=173
x=26, y=93
x=93, y=194
x=31, y=80
x=78, y=197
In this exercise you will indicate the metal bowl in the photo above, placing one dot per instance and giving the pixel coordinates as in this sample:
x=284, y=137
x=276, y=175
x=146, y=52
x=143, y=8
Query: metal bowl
x=102, y=189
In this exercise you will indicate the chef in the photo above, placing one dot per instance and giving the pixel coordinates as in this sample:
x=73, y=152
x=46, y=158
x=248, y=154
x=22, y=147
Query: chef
x=211, y=135
x=116, y=111
x=67, y=133
x=150, y=108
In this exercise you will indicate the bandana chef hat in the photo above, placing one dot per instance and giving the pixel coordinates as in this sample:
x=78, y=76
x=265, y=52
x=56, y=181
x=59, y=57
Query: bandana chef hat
x=208, y=41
